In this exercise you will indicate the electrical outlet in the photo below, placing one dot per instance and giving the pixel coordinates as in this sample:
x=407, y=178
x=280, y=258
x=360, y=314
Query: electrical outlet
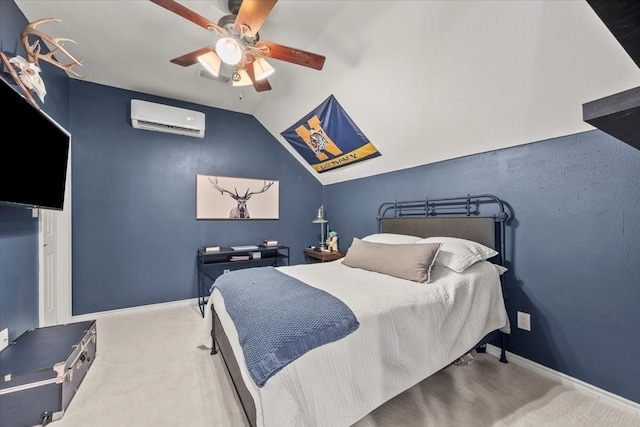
x=524, y=321
x=225, y=271
x=4, y=338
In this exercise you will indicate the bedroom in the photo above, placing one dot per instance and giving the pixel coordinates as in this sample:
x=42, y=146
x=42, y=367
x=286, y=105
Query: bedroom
x=573, y=189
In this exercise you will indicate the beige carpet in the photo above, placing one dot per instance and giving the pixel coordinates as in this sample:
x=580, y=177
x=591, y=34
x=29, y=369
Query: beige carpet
x=150, y=371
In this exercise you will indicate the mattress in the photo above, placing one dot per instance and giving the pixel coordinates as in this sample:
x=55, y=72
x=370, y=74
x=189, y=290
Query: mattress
x=408, y=331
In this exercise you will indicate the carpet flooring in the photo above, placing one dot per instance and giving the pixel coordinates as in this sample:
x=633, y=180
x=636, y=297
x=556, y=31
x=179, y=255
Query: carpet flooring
x=150, y=371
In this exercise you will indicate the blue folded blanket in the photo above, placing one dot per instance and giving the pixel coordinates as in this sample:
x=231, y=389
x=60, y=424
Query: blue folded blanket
x=279, y=318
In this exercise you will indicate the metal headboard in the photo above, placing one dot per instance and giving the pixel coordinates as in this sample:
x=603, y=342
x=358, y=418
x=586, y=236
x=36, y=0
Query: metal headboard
x=460, y=217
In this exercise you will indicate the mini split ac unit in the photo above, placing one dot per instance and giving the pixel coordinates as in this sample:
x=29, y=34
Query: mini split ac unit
x=164, y=118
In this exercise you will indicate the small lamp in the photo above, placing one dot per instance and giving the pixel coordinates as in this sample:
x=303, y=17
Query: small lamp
x=320, y=220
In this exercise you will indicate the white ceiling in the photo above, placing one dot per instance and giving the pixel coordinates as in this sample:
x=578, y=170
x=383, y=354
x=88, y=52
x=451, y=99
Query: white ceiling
x=425, y=81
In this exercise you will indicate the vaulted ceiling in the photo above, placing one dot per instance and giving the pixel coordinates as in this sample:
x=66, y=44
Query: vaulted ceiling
x=425, y=81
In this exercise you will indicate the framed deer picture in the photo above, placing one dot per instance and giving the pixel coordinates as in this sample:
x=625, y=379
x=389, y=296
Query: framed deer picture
x=223, y=197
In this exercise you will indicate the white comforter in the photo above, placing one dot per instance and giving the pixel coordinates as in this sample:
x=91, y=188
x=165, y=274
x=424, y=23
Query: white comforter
x=408, y=331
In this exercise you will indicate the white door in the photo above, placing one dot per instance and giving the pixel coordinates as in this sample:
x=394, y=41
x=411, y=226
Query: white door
x=55, y=261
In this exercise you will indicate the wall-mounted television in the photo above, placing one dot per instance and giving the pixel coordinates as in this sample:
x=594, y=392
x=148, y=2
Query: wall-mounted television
x=34, y=151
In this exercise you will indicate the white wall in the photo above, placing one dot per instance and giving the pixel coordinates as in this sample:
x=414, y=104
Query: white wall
x=427, y=81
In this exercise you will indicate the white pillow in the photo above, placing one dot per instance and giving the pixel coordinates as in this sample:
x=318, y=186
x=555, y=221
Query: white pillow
x=459, y=254
x=391, y=238
x=501, y=269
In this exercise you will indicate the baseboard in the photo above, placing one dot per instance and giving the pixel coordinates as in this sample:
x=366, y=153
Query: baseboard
x=598, y=393
x=142, y=308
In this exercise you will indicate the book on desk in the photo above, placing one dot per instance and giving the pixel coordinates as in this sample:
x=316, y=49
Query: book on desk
x=240, y=257
x=244, y=248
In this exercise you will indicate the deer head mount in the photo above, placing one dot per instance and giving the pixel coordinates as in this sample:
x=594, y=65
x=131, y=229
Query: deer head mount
x=29, y=70
x=241, y=210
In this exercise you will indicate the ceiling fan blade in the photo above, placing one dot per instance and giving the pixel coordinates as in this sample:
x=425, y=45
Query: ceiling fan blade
x=252, y=14
x=295, y=56
x=191, y=57
x=262, y=85
x=189, y=14
x=259, y=85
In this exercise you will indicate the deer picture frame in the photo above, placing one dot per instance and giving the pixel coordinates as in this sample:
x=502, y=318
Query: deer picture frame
x=223, y=197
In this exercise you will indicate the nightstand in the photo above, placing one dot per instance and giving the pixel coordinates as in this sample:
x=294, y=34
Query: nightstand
x=312, y=255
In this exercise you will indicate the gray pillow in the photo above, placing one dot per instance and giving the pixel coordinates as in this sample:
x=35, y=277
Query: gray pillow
x=405, y=261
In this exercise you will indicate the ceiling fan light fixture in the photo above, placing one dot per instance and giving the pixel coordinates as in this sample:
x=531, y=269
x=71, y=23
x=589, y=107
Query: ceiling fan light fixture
x=241, y=78
x=262, y=69
x=229, y=50
x=211, y=62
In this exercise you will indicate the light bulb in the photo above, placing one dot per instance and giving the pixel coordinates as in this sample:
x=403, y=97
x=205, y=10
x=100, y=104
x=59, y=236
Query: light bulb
x=211, y=62
x=262, y=69
x=243, y=78
x=228, y=50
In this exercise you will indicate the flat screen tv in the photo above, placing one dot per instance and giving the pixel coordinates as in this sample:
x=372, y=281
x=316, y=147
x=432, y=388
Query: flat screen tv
x=34, y=151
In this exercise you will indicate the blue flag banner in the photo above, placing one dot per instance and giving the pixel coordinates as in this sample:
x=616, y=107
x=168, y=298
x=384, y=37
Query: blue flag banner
x=327, y=138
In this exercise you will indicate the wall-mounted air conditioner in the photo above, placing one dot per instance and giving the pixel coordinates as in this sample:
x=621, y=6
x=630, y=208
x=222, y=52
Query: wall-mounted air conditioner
x=165, y=118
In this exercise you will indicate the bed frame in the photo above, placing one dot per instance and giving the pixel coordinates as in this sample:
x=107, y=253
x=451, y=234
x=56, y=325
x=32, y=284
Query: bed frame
x=480, y=218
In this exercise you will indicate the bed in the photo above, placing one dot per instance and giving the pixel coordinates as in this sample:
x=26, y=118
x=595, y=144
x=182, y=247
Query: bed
x=413, y=316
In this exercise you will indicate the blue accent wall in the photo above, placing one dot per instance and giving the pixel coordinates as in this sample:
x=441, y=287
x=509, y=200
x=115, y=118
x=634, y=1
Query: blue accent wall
x=18, y=229
x=18, y=270
x=573, y=248
x=134, y=232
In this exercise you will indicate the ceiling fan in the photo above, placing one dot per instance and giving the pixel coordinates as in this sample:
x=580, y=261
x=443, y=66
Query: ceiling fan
x=239, y=43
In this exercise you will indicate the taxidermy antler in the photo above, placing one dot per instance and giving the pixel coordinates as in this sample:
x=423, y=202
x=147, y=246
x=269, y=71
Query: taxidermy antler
x=28, y=69
x=241, y=210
